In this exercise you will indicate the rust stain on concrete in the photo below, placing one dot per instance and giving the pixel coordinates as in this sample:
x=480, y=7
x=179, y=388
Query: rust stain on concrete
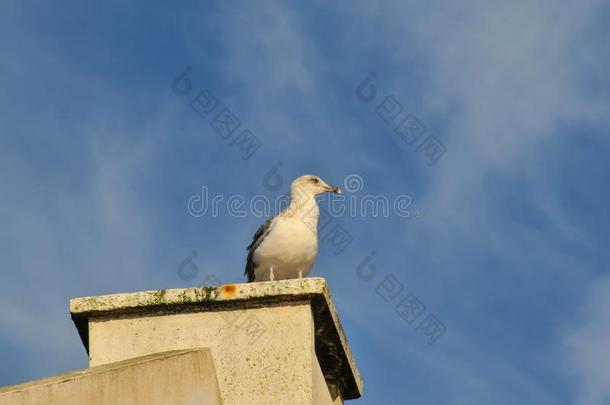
x=228, y=290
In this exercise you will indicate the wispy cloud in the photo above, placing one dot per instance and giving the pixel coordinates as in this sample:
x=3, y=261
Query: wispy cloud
x=586, y=346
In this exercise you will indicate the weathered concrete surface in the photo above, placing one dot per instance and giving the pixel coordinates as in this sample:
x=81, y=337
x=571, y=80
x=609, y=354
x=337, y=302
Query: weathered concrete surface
x=171, y=378
x=273, y=369
x=268, y=339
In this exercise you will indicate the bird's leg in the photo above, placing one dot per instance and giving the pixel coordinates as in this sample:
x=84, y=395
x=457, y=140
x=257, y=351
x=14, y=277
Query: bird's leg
x=300, y=273
x=271, y=277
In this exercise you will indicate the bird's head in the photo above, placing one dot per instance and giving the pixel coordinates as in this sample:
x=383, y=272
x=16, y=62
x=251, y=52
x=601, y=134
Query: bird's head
x=311, y=186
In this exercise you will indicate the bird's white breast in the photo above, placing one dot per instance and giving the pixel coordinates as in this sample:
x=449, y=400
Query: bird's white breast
x=290, y=248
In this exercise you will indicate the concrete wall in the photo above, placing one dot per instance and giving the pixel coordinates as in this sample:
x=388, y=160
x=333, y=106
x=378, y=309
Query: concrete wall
x=262, y=356
x=276, y=342
x=172, y=378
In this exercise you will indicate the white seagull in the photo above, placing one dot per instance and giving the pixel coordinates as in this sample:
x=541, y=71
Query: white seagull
x=286, y=245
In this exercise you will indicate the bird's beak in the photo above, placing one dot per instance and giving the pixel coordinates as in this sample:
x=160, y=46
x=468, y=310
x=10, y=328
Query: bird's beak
x=334, y=189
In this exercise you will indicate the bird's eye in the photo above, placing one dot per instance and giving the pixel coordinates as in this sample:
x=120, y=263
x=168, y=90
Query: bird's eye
x=314, y=180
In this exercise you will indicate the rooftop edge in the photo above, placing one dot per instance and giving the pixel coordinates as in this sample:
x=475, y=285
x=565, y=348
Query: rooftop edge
x=332, y=348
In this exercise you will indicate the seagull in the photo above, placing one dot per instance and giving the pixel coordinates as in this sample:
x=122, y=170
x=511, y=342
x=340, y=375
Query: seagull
x=286, y=245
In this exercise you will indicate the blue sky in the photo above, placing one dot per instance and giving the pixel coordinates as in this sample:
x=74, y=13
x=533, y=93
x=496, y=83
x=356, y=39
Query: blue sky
x=98, y=158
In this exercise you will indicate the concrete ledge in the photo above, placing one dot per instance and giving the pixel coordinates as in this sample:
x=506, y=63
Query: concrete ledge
x=331, y=347
x=177, y=377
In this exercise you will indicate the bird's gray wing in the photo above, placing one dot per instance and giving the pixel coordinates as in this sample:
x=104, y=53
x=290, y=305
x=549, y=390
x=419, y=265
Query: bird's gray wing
x=257, y=239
